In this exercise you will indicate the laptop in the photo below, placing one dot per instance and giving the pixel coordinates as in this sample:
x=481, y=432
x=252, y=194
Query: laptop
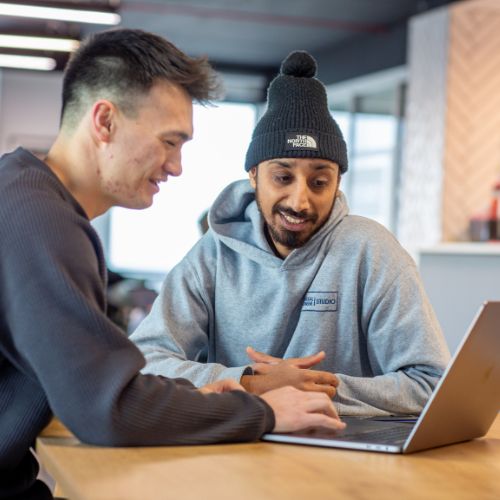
x=463, y=406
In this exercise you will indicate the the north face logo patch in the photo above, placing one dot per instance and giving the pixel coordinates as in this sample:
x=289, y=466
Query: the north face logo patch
x=301, y=141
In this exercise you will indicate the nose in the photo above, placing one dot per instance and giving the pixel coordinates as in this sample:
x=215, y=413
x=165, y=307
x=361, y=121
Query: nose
x=173, y=165
x=299, y=196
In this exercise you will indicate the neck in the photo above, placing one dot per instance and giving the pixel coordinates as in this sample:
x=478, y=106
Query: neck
x=73, y=163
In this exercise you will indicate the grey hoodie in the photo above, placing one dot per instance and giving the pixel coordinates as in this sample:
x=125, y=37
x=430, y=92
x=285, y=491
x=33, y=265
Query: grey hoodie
x=351, y=291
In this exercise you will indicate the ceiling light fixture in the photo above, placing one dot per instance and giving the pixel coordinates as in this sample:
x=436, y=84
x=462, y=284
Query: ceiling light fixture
x=27, y=62
x=38, y=43
x=59, y=14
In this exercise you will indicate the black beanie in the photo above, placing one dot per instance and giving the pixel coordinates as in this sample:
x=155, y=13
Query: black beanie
x=297, y=122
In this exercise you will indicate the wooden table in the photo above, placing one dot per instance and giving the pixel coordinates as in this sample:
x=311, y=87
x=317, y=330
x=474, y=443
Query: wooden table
x=260, y=470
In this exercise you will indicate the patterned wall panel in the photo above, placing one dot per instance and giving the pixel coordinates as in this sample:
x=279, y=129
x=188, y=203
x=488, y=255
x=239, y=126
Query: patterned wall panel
x=472, y=140
x=419, y=221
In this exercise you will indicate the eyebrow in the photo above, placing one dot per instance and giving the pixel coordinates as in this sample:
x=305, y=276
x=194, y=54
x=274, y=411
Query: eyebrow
x=281, y=163
x=322, y=166
x=286, y=164
x=181, y=135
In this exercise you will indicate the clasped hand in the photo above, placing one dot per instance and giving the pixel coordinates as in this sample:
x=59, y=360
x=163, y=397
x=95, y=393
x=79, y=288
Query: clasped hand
x=271, y=372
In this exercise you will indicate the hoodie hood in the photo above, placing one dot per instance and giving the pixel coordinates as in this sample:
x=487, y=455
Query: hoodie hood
x=236, y=221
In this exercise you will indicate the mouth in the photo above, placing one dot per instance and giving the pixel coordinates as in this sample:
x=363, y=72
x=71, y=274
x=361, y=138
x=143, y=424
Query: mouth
x=294, y=223
x=157, y=181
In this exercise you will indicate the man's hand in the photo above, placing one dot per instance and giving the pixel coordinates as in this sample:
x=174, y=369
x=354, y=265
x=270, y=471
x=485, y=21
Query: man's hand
x=295, y=410
x=261, y=358
x=220, y=386
x=272, y=373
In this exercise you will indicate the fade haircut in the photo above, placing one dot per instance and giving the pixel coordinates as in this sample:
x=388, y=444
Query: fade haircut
x=122, y=65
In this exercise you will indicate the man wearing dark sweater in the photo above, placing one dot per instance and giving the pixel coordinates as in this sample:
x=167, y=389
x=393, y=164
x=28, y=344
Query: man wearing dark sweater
x=127, y=111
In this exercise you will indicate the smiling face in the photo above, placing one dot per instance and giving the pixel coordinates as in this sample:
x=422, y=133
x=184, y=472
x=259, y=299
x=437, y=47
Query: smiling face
x=144, y=149
x=295, y=197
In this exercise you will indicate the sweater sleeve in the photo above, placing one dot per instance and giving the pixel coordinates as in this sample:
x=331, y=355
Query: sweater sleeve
x=88, y=369
x=405, y=347
x=175, y=336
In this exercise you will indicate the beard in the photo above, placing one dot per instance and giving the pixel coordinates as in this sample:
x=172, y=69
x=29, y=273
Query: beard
x=285, y=237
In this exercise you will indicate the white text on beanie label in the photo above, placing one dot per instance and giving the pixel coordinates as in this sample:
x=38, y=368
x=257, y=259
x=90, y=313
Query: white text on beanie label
x=301, y=141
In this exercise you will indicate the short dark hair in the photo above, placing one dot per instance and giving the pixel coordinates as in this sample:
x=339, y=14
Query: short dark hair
x=122, y=64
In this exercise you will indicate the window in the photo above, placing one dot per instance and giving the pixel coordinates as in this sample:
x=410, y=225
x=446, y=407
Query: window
x=372, y=160
x=150, y=242
x=369, y=114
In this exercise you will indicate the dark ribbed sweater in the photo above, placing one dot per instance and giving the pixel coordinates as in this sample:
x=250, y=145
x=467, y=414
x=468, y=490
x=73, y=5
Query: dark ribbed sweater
x=60, y=354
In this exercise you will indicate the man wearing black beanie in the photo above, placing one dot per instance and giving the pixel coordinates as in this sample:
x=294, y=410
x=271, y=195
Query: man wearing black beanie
x=284, y=268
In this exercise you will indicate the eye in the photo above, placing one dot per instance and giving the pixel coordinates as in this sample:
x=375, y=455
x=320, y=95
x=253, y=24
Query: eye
x=282, y=179
x=320, y=182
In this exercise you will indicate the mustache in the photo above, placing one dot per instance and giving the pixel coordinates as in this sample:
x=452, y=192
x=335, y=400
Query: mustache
x=303, y=214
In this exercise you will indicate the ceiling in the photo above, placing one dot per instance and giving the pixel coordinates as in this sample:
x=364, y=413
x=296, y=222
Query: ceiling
x=251, y=37
x=259, y=33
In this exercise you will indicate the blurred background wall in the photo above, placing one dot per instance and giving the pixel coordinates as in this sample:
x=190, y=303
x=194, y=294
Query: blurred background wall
x=413, y=84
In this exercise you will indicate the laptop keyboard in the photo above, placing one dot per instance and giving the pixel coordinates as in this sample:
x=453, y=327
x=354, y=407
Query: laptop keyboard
x=390, y=435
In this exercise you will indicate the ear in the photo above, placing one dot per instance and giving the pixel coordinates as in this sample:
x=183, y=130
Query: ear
x=337, y=189
x=338, y=173
x=103, y=120
x=252, y=175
